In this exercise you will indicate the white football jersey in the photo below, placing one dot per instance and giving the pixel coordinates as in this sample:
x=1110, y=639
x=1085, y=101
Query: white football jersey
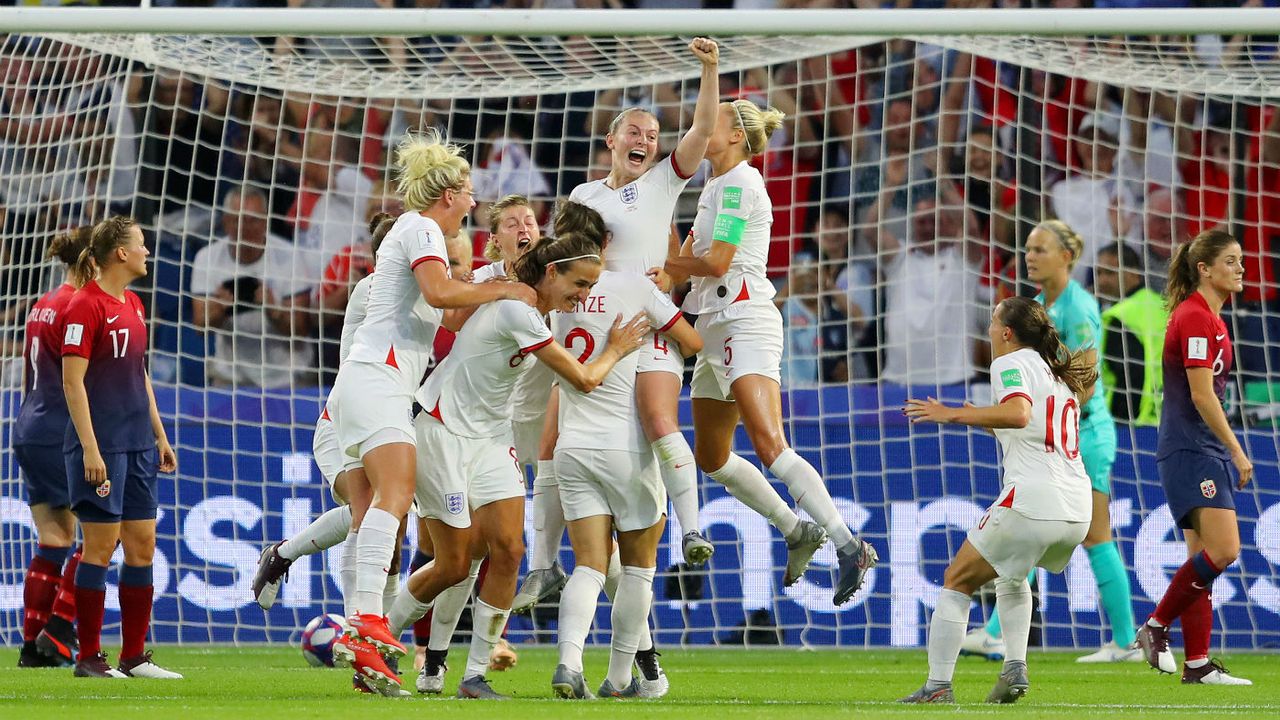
x=470, y=391
x=606, y=418
x=1044, y=478
x=489, y=272
x=392, y=332
x=529, y=399
x=733, y=208
x=357, y=305
x=638, y=215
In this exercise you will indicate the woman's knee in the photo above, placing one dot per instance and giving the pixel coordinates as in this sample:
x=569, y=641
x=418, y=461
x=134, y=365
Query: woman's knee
x=506, y=552
x=710, y=456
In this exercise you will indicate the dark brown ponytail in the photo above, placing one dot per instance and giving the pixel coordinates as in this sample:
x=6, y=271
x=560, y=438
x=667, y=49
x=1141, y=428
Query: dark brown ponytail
x=1184, y=272
x=532, y=266
x=379, y=226
x=1032, y=327
x=67, y=247
x=574, y=217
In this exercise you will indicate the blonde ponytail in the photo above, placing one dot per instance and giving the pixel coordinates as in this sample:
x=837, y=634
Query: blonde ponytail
x=757, y=124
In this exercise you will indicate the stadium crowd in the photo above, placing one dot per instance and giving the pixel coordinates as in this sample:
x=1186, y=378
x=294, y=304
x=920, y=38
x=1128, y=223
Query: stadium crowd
x=904, y=183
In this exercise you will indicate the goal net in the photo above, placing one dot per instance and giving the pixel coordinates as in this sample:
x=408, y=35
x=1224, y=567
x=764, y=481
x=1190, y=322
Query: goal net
x=908, y=175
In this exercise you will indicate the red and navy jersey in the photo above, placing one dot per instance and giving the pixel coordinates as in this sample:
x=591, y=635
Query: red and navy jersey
x=43, y=417
x=112, y=335
x=1196, y=338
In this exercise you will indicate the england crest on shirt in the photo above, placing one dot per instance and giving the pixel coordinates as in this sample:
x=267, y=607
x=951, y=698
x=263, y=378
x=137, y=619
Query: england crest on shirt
x=1208, y=488
x=453, y=502
x=629, y=194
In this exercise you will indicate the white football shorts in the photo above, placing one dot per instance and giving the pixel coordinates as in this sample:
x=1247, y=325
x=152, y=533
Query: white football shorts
x=742, y=339
x=1014, y=543
x=374, y=408
x=620, y=483
x=458, y=474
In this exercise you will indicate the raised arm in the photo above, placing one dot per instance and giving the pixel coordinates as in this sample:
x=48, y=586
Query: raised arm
x=693, y=145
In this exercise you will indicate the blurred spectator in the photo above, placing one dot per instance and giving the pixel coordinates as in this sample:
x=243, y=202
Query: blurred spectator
x=180, y=151
x=1257, y=312
x=932, y=317
x=507, y=169
x=247, y=290
x=1132, y=347
x=1092, y=201
x=330, y=209
x=1206, y=166
x=888, y=170
x=801, y=309
x=1160, y=233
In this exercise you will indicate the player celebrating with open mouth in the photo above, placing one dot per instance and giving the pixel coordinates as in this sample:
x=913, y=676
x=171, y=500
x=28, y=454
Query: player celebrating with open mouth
x=1043, y=511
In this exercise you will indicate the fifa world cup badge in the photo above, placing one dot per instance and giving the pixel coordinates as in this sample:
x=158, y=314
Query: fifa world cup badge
x=104, y=489
x=1208, y=488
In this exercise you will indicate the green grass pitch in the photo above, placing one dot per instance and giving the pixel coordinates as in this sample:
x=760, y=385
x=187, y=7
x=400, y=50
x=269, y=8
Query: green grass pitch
x=266, y=683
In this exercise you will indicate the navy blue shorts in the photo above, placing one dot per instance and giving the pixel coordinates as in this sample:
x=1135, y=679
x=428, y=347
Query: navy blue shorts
x=1195, y=480
x=44, y=472
x=128, y=494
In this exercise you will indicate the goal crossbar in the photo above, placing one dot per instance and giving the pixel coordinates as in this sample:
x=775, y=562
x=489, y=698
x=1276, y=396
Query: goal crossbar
x=349, y=22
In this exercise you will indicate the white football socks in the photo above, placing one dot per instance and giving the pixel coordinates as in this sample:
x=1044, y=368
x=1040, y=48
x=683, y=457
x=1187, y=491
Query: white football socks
x=548, y=516
x=448, y=609
x=323, y=533
x=810, y=493
x=630, y=621
x=578, y=603
x=614, y=574
x=348, y=574
x=486, y=629
x=680, y=476
x=745, y=482
x=946, y=634
x=389, y=592
x=405, y=611
x=1013, y=602
x=373, y=556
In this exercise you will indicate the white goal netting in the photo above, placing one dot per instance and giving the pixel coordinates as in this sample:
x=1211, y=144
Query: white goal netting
x=904, y=183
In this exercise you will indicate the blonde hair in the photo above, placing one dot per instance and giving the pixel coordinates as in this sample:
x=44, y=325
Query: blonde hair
x=1069, y=239
x=491, y=249
x=757, y=124
x=427, y=167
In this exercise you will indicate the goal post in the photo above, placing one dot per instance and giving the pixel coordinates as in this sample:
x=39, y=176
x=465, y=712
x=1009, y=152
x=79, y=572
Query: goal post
x=919, y=150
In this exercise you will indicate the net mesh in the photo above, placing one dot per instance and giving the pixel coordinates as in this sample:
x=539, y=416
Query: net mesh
x=904, y=184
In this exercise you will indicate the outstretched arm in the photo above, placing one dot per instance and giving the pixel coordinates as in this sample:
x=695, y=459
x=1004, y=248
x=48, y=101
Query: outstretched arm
x=693, y=145
x=1014, y=412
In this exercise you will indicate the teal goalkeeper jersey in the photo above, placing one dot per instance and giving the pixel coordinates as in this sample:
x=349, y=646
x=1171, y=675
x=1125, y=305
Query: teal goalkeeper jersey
x=1079, y=321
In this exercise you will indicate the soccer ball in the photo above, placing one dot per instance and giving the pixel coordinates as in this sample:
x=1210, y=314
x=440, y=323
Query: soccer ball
x=318, y=638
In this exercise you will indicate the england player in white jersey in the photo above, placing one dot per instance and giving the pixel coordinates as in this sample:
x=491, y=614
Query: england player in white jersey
x=638, y=201
x=1044, y=506
x=333, y=526
x=738, y=373
x=470, y=488
x=374, y=388
x=609, y=480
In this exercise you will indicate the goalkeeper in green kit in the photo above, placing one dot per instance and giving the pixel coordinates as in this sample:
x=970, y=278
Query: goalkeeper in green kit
x=1052, y=250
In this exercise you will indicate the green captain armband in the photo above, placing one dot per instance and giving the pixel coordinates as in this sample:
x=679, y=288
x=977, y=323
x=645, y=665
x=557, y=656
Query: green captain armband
x=729, y=229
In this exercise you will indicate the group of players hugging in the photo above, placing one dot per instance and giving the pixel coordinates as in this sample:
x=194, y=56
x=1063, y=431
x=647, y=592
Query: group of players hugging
x=569, y=357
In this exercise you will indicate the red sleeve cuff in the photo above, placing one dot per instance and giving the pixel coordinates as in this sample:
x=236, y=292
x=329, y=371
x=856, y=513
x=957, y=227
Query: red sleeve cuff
x=76, y=351
x=1013, y=395
x=675, y=319
x=676, y=166
x=419, y=261
x=536, y=347
x=1197, y=364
